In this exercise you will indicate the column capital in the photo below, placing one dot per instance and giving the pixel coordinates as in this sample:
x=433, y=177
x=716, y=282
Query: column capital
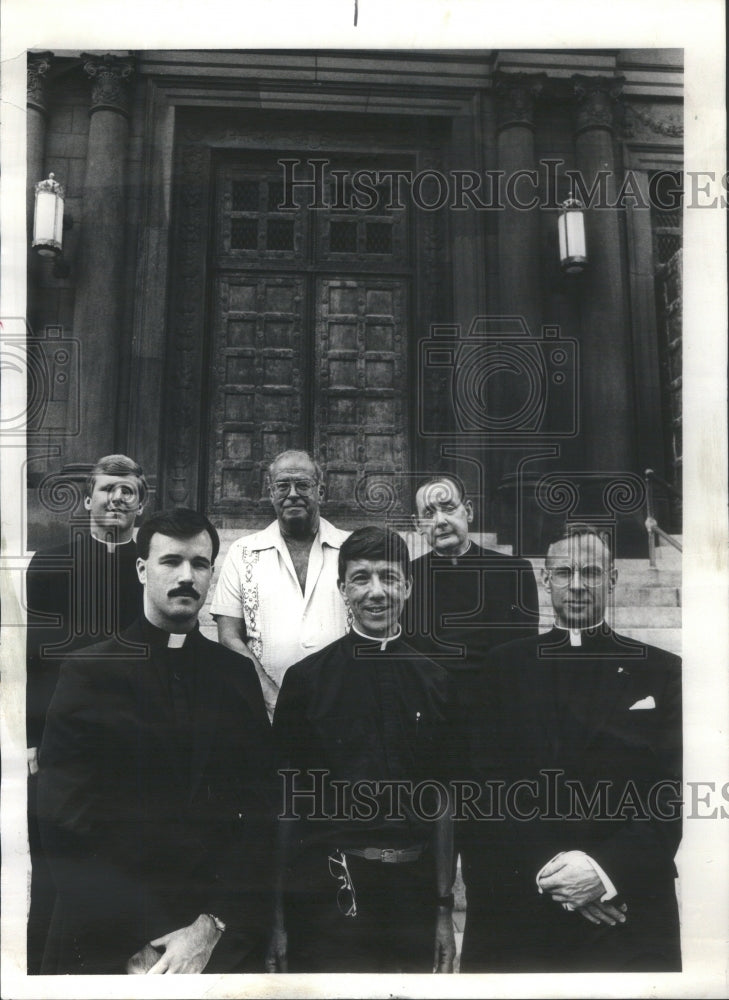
x=110, y=78
x=597, y=98
x=516, y=95
x=38, y=65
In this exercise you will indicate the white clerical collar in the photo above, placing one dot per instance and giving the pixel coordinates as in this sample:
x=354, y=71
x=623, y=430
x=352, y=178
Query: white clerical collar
x=576, y=633
x=446, y=555
x=177, y=640
x=376, y=638
x=110, y=546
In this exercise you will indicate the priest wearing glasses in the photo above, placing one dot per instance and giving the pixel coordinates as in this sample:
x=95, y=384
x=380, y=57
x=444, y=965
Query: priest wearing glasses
x=277, y=600
x=577, y=734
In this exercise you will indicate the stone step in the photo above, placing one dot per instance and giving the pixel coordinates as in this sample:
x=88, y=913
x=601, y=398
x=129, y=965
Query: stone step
x=635, y=572
x=634, y=595
x=636, y=617
x=664, y=638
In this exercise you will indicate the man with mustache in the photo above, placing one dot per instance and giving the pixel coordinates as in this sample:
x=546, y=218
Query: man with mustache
x=572, y=864
x=277, y=600
x=364, y=875
x=155, y=783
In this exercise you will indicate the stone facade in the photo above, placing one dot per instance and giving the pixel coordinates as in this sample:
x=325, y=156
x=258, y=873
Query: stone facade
x=114, y=129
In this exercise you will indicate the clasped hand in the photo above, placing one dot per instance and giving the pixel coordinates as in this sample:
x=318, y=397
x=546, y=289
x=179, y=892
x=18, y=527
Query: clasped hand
x=570, y=878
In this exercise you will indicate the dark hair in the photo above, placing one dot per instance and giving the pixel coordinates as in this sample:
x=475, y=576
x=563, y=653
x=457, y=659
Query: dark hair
x=446, y=477
x=373, y=543
x=179, y=522
x=116, y=465
x=573, y=529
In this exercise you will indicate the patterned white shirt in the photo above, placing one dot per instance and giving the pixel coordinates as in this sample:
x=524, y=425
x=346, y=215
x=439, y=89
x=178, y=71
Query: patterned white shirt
x=258, y=583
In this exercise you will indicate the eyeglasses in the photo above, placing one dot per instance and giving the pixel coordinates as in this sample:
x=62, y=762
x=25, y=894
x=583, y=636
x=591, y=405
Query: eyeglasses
x=282, y=487
x=590, y=575
x=346, y=899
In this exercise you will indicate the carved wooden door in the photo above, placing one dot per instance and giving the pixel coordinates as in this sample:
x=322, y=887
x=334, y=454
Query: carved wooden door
x=309, y=325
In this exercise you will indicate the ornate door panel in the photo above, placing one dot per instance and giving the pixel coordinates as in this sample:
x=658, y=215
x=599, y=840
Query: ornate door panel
x=360, y=385
x=309, y=341
x=257, y=398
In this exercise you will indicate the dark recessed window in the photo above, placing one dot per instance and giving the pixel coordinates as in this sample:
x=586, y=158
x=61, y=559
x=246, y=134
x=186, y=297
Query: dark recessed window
x=379, y=237
x=343, y=237
x=244, y=196
x=243, y=234
x=280, y=234
x=275, y=195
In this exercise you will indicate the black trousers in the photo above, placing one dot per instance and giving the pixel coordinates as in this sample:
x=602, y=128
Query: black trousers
x=393, y=931
x=534, y=934
x=42, y=888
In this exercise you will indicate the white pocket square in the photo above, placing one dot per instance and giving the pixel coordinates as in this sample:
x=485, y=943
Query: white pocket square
x=649, y=702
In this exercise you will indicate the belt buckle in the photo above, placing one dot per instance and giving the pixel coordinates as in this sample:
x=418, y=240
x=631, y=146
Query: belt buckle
x=388, y=854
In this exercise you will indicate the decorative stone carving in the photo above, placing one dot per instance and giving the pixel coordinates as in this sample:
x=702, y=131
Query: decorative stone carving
x=110, y=77
x=650, y=120
x=38, y=65
x=597, y=98
x=516, y=95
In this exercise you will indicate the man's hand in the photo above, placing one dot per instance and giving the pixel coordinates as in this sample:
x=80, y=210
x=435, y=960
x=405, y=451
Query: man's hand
x=570, y=878
x=277, y=954
x=445, y=941
x=32, y=760
x=604, y=913
x=187, y=949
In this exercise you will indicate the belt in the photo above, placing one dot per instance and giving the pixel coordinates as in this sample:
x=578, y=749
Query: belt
x=388, y=855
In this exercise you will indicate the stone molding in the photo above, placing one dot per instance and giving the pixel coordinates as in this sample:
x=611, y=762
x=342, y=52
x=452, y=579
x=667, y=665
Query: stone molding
x=517, y=94
x=38, y=65
x=597, y=99
x=110, y=82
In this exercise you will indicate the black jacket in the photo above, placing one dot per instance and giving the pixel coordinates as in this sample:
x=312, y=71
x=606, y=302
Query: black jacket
x=142, y=836
x=78, y=593
x=461, y=609
x=599, y=722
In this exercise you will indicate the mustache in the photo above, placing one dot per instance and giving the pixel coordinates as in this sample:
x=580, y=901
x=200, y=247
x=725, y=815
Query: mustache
x=183, y=591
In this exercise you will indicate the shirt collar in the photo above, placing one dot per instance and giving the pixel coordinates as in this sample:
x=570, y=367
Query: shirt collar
x=576, y=634
x=270, y=537
x=438, y=555
x=111, y=546
x=383, y=643
x=159, y=638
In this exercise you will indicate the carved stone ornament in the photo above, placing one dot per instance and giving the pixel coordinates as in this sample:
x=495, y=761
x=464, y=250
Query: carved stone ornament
x=649, y=121
x=597, y=97
x=38, y=65
x=516, y=96
x=110, y=76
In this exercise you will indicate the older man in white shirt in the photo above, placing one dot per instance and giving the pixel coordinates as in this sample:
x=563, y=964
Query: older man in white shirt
x=277, y=598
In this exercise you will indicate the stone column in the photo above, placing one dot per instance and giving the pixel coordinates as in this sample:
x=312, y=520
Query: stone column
x=606, y=389
x=519, y=266
x=100, y=267
x=38, y=65
x=519, y=263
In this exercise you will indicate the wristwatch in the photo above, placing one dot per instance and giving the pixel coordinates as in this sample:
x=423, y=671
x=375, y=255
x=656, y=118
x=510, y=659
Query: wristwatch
x=219, y=924
x=446, y=901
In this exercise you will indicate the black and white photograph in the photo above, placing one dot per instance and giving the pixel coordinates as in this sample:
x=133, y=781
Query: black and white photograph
x=363, y=443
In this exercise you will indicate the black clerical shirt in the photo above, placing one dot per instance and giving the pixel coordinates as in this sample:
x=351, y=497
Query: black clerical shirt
x=366, y=716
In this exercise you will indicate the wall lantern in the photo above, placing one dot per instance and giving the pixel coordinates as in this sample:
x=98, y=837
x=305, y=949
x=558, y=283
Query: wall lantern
x=48, y=218
x=572, y=243
x=49, y=223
